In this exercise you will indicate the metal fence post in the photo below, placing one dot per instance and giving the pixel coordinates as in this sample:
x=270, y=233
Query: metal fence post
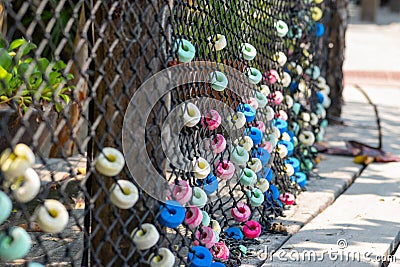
x=337, y=44
x=120, y=77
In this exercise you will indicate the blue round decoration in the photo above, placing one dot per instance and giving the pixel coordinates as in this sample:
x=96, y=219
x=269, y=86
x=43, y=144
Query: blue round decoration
x=288, y=145
x=234, y=232
x=281, y=125
x=320, y=29
x=200, y=257
x=210, y=184
x=294, y=162
x=172, y=214
x=300, y=178
x=255, y=134
x=248, y=111
x=263, y=155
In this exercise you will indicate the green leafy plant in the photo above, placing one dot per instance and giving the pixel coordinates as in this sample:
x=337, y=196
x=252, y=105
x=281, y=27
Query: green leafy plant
x=24, y=79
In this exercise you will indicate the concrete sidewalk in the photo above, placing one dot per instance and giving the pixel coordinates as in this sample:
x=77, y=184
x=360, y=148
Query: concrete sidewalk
x=362, y=227
x=372, y=49
x=351, y=215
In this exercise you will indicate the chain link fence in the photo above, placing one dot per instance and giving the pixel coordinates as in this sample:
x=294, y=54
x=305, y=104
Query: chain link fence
x=157, y=133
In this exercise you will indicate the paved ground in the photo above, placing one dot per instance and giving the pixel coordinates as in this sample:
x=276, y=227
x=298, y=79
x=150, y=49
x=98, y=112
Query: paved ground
x=356, y=218
x=372, y=49
x=362, y=226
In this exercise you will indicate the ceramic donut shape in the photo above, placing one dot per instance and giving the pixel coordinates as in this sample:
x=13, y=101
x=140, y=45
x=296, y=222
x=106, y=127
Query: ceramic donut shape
x=307, y=138
x=283, y=115
x=191, y=114
x=6, y=207
x=212, y=120
x=239, y=156
x=210, y=184
x=181, y=191
x=282, y=151
x=225, y=169
x=14, y=163
x=262, y=184
x=219, y=42
x=252, y=229
x=264, y=89
x=217, y=144
x=249, y=52
x=289, y=101
x=316, y=13
x=201, y=168
x=110, y=161
x=15, y=244
x=218, y=81
x=238, y=120
x=206, y=236
x=272, y=77
x=52, y=216
x=241, y=212
x=261, y=99
x=281, y=28
x=215, y=226
x=281, y=58
x=254, y=75
x=255, y=134
x=220, y=251
x=194, y=217
x=234, y=232
x=253, y=102
x=206, y=219
x=278, y=97
x=199, y=197
x=248, y=177
x=164, y=258
x=287, y=198
x=186, y=50
x=255, y=165
x=248, y=111
x=124, y=194
x=26, y=187
x=269, y=113
x=145, y=237
x=256, y=197
x=246, y=142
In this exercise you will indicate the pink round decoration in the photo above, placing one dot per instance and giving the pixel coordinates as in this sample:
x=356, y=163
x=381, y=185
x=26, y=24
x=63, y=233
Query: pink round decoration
x=182, y=192
x=252, y=229
x=206, y=237
x=287, y=198
x=212, y=120
x=193, y=217
x=278, y=97
x=241, y=212
x=268, y=146
x=283, y=115
x=219, y=144
x=225, y=170
x=260, y=125
x=253, y=102
x=220, y=251
x=272, y=77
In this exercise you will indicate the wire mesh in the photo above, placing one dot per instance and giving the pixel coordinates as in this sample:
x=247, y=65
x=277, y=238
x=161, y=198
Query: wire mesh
x=69, y=71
